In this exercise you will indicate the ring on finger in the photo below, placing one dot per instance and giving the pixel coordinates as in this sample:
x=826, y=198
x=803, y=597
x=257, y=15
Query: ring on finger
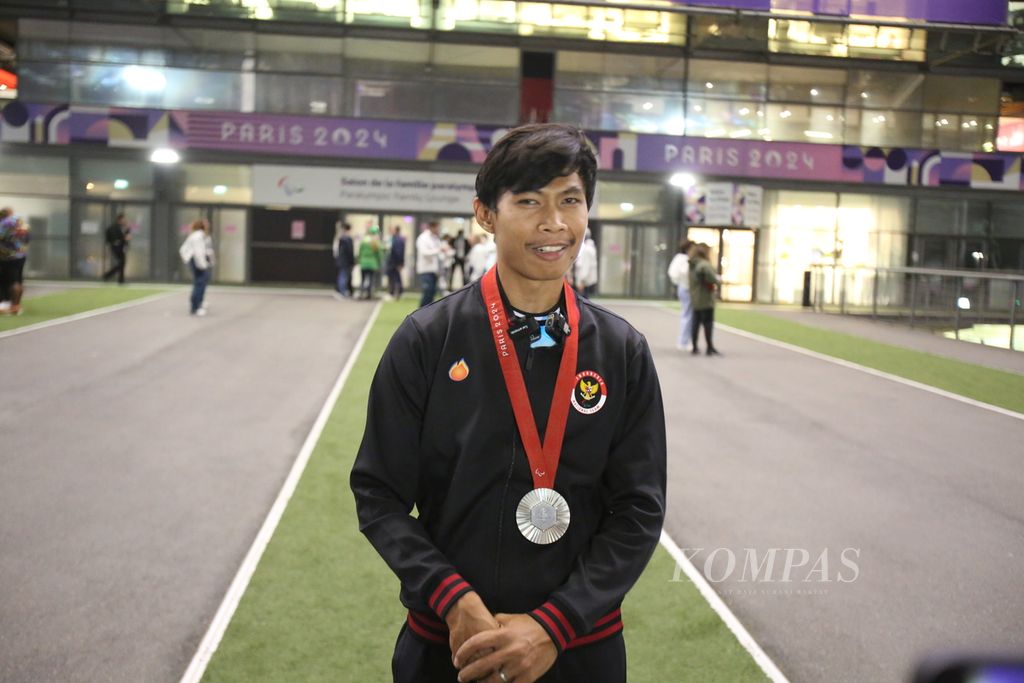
x=503, y=676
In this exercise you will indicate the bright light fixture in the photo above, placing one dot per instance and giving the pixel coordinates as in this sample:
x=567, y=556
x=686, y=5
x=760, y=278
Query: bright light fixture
x=164, y=155
x=785, y=114
x=963, y=303
x=144, y=78
x=647, y=106
x=683, y=180
x=814, y=92
x=744, y=111
x=709, y=85
x=220, y=189
x=697, y=108
x=626, y=206
x=741, y=133
x=818, y=134
x=90, y=185
x=863, y=95
x=120, y=184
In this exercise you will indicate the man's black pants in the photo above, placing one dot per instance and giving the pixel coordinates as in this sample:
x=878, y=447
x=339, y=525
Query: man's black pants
x=417, y=661
x=118, y=267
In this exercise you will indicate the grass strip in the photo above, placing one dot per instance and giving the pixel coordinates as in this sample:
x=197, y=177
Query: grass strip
x=62, y=304
x=996, y=387
x=323, y=606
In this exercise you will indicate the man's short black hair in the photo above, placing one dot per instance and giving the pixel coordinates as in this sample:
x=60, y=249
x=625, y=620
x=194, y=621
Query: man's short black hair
x=529, y=157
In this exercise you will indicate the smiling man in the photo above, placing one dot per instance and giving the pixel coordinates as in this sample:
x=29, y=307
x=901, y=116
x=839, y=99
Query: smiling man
x=525, y=425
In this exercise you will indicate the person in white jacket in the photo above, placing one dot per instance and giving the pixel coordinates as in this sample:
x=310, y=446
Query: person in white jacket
x=679, y=274
x=197, y=253
x=585, y=269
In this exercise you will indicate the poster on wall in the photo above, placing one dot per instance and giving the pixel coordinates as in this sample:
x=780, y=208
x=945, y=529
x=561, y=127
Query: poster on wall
x=724, y=204
x=746, y=206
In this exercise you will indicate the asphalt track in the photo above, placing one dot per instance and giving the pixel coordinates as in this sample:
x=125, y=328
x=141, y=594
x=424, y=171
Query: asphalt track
x=141, y=450
x=772, y=449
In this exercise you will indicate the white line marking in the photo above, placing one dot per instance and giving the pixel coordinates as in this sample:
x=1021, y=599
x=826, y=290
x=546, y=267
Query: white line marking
x=863, y=368
x=877, y=373
x=82, y=316
x=723, y=611
x=220, y=622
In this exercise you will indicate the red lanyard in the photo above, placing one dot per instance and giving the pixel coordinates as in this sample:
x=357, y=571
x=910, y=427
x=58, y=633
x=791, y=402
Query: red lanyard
x=543, y=459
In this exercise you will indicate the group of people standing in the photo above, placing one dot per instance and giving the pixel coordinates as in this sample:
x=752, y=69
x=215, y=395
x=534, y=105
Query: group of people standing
x=696, y=283
x=437, y=260
x=371, y=256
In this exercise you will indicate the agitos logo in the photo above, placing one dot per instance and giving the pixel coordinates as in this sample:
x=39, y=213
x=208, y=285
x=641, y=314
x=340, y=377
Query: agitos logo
x=289, y=188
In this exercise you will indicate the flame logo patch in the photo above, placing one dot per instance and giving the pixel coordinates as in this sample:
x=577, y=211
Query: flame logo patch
x=458, y=371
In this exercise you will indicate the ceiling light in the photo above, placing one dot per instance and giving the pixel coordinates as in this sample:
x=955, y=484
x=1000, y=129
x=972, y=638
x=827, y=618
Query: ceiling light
x=683, y=180
x=120, y=184
x=830, y=118
x=785, y=114
x=647, y=106
x=741, y=133
x=698, y=108
x=709, y=85
x=220, y=189
x=744, y=111
x=814, y=92
x=626, y=206
x=89, y=186
x=144, y=78
x=818, y=134
x=863, y=95
x=164, y=155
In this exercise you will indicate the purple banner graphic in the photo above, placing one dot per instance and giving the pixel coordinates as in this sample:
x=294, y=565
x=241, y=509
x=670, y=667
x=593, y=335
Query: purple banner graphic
x=308, y=136
x=946, y=11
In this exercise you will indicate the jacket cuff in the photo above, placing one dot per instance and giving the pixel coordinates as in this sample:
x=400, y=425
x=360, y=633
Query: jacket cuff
x=447, y=593
x=554, y=621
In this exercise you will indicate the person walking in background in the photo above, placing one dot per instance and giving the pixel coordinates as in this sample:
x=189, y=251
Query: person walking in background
x=446, y=265
x=344, y=259
x=585, y=268
x=428, y=261
x=117, y=237
x=679, y=274
x=703, y=283
x=197, y=253
x=396, y=261
x=369, y=262
x=460, y=249
x=14, y=239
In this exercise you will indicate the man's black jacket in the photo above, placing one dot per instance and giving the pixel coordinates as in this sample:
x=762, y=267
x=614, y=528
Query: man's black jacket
x=451, y=448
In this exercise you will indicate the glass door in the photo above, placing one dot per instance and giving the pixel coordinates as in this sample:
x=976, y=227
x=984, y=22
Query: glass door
x=737, y=264
x=733, y=251
x=229, y=228
x=615, y=259
x=91, y=258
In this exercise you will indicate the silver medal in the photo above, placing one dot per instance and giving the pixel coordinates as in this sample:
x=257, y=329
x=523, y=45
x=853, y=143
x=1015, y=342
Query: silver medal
x=543, y=516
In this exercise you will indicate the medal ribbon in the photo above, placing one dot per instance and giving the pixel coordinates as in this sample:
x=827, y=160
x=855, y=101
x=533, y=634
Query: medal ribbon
x=543, y=458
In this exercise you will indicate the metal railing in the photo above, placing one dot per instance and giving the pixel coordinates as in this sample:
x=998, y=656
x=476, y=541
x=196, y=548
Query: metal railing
x=966, y=304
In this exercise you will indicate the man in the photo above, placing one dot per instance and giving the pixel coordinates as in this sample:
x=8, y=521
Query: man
x=14, y=239
x=460, y=248
x=117, y=237
x=345, y=260
x=428, y=261
x=585, y=270
x=396, y=261
x=526, y=426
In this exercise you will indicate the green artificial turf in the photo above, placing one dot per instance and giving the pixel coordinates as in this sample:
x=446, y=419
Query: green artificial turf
x=60, y=304
x=323, y=606
x=1003, y=389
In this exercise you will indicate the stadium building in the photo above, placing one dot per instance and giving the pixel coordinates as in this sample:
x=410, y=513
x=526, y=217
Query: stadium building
x=784, y=133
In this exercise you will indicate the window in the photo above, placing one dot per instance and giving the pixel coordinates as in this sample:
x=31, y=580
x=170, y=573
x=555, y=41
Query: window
x=885, y=90
x=800, y=84
x=727, y=80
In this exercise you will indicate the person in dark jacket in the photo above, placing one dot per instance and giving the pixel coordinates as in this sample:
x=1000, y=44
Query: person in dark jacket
x=117, y=236
x=344, y=259
x=396, y=262
x=525, y=424
x=703, y=283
